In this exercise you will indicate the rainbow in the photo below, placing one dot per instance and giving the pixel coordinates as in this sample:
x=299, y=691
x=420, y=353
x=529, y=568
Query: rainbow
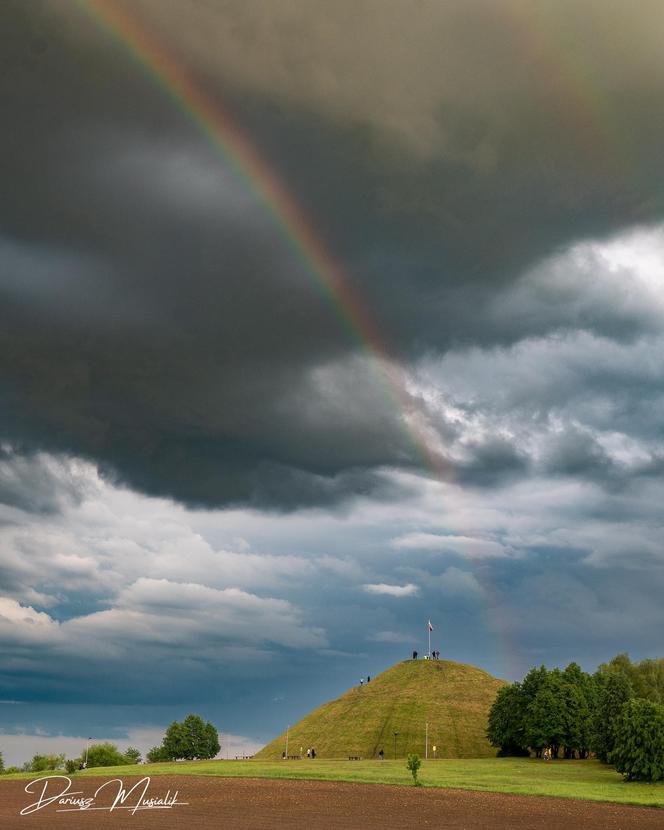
x=225, y=136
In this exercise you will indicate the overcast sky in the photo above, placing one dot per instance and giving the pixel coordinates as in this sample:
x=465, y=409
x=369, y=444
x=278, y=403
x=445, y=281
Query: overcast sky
x=217, y=492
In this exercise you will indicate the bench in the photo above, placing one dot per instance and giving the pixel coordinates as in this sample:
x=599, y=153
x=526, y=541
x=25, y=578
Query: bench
x=354, y=757
x=293, y=757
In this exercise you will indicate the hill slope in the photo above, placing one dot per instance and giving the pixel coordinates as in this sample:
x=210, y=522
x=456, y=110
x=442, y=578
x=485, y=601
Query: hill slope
x=454, y=698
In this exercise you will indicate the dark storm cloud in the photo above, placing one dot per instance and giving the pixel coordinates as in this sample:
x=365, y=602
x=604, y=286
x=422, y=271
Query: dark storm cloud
x=155, y=320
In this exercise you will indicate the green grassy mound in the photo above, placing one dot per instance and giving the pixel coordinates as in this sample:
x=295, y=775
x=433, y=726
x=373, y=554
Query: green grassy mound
x=452, y=697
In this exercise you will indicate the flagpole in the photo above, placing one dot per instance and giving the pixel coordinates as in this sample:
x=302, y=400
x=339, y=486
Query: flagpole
x=429, y=630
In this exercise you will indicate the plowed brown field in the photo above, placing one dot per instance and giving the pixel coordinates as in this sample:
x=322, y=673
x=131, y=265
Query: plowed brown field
x=257, y=804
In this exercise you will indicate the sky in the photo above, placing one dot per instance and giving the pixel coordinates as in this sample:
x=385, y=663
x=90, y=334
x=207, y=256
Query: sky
x=319, y=321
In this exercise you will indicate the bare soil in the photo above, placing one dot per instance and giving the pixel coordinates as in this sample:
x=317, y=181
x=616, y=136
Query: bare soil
x=247, y=803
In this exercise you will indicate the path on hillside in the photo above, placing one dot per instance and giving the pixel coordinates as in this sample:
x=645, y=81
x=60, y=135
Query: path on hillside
x=259, y=804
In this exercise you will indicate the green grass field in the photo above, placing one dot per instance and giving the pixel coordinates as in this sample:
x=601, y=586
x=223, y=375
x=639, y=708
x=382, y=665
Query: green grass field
x=562, y=779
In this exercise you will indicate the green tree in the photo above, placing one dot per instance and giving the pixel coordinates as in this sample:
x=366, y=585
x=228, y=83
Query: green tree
x=638, y=752
x=506, y=727
x=560, y=712
x=579, y=698
x=157, y=754
x=613, y=691
x=545, y=718
x=132, y=755
x=575, y=733
x=646, y=677
x=105, y=755
x=532, y=683
x=191, y=739
x=2, y=764
x=42, y=763
x=414, y=763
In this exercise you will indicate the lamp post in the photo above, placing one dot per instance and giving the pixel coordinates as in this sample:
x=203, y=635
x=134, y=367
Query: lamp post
x=87, y=746
x=395, y=745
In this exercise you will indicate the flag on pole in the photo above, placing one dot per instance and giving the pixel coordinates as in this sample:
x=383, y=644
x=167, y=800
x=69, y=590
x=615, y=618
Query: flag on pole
x=430, y=626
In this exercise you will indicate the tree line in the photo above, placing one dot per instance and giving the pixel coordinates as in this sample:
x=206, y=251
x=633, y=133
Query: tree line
x=616, y=715
x=191, y=739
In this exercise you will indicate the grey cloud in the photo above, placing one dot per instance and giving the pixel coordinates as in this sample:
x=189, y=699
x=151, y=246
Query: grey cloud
x=335, y=58
x=153, y=622
x=156, y=321
x=193, y=615
x=38, y=483
x=381, y=588
x=492, y=462
x=465, y=546
x=612, y=288
x=577, y=452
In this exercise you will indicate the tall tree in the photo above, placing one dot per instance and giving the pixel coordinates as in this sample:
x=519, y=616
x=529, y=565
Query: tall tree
x=638, y=752
x=545, y=718
x=579, y=699
x=506, y=717
x=613, y=691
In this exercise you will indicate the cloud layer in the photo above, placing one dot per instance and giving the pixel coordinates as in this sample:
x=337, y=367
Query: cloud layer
x=210, y=473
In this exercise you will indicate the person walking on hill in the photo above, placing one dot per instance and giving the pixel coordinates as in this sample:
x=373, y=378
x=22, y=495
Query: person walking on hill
x=313, y=752
x=381, y=755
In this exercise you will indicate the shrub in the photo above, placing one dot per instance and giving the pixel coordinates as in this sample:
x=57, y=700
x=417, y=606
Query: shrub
x=638, y=751
x=413, y=763
x=104, y=755
x=42, y=763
